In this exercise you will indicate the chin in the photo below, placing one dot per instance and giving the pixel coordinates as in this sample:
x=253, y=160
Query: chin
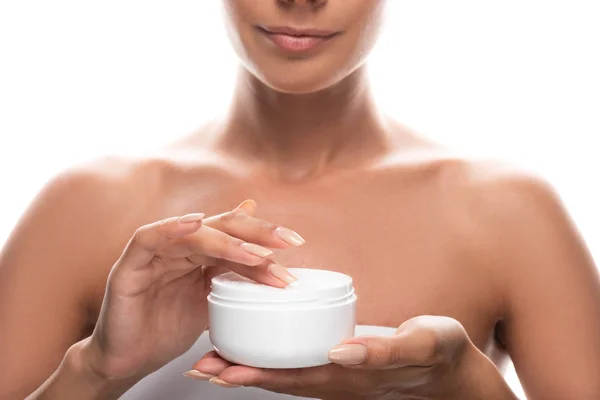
x=299, y=77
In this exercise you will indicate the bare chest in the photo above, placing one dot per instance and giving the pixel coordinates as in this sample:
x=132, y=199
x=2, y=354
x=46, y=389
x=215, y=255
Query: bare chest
x=398, y=248
x=401, y=254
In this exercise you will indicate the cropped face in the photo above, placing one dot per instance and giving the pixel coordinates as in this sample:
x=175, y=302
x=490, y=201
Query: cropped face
x=303, y=46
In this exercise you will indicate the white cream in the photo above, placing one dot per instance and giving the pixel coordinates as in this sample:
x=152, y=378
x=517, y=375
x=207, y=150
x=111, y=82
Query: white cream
x=266, y=327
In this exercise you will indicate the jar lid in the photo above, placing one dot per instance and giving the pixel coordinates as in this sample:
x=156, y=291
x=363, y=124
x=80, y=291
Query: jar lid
x=313, y=285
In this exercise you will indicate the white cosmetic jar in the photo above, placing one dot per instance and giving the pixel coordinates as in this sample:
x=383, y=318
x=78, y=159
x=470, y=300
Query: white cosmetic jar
x=261, y=326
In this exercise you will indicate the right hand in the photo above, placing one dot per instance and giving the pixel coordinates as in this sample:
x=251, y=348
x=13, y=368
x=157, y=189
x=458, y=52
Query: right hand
x=155, y=304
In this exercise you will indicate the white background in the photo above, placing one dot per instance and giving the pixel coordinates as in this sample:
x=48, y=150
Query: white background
x=515, y=79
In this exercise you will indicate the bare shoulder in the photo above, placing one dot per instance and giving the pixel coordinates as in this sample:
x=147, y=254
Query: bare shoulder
x=481, y=187
x=510, y=189
x=80, y=221
x=108, y=185
x=519, y=212
x=519, y=224
x=92, y=191
x=54, y=265
x=497, y=191
x=503, y=201
x=93, y=208
x=494, y=206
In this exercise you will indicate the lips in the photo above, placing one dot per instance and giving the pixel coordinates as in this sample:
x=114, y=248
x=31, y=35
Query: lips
x=297, y=40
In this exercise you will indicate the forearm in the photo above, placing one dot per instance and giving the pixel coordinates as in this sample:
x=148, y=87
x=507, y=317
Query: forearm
x=73, y=379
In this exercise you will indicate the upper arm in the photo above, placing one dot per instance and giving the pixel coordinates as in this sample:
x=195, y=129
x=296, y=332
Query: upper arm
x=46, y=277
x=552, y=321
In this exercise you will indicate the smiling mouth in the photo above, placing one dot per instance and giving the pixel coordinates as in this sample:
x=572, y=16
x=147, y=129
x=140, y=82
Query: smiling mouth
x=297, y=40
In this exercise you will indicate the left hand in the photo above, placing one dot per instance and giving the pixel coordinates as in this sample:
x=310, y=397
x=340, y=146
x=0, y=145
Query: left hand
x=426, y=358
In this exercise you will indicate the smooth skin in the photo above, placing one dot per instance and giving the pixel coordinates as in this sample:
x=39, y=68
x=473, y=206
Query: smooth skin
x=104, y=279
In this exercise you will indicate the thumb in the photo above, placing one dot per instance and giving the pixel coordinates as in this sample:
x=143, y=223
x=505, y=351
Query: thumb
x=421, y=342
x=404, y=349
x=373, y=352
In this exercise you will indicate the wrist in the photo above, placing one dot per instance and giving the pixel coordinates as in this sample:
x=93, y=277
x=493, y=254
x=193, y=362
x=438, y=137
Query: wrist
x=79, y=362
x=76, y=379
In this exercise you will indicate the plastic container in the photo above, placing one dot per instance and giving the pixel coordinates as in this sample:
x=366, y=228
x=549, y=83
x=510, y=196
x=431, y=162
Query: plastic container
x=261, y=326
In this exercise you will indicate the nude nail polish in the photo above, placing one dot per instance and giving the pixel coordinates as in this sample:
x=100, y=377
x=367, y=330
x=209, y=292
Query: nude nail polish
x=186, y=219
x=348, y=354
x=201, y=376
x=222, y=383
x=256, y=250
x=289, y=236
x=282, y=273
x=247, y=207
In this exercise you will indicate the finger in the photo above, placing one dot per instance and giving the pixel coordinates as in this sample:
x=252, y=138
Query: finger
x=211, y=364
x=384, y=353
x=441, y=338
x=185, y=238
x=248, y=206
x=287, y=380
x=247, y=259
x=215, y=244
x=268, y=273
x=377, y=353
x=421, y=342
x=148, y=239
x=241, y=223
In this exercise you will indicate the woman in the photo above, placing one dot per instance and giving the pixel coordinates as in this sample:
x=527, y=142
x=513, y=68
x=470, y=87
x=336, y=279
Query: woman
x=465, y=262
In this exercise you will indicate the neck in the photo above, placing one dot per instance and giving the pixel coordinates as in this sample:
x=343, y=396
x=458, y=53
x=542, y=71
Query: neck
x=301, y=136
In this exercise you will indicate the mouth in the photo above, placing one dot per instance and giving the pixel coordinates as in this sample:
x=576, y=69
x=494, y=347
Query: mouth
x=297, y=40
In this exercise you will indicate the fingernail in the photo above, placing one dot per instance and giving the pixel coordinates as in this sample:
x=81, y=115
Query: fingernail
x=186, y=219
x=201, y=376
x=256, y=250
x=348, y=354
x=282, y=273
x=222, y=383
x=247, y=207
x=289, y=236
